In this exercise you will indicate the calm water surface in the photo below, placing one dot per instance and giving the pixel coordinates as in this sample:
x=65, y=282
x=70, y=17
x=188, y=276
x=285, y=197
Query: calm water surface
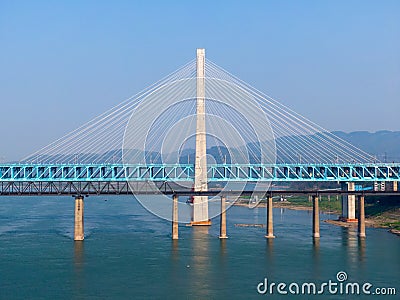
x=128, y=253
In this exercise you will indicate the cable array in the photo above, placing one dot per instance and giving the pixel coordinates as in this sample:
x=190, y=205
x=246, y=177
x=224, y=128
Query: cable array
x=243, y=125
x=298, y=140
x=100, y=139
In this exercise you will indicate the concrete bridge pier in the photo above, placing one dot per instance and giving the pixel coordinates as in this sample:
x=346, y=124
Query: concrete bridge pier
x=175, y=233
x=222, y=231
x=348, y=203
x=78, y=228
x=361, y=216
x=270, y=223
x=315, y=217
x=394, y=186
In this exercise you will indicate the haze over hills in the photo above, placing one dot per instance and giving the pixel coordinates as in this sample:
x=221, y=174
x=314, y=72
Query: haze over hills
x=383, y=144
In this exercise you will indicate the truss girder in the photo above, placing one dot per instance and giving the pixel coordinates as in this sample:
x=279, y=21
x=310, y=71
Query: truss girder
x=92, y=173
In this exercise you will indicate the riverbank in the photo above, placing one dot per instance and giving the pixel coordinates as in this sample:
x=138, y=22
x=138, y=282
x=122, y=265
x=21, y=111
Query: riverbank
x=285, y=204
x=379, y=218
x=369, y=222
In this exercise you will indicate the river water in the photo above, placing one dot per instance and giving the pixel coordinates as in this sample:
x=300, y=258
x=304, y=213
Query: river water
x=128, y=254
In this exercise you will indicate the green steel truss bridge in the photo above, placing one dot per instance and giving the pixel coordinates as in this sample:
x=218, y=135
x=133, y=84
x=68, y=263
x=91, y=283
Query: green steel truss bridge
x=185, y=172
x=32, y=179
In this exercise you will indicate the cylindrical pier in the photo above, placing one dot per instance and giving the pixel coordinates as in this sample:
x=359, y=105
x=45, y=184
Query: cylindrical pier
x=222, y=230
x=270, y=223
x=78, y=228
x=315, y=217
x=175, y=234
x=361, y=216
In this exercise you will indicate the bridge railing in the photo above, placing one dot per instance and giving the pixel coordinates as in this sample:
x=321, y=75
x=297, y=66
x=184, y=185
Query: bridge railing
x=185, y=172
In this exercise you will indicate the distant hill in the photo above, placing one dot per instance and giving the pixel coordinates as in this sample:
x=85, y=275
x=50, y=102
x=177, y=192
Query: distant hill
x=384, y=144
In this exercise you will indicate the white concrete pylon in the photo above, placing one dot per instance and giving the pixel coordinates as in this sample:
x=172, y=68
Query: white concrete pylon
x=200, y=203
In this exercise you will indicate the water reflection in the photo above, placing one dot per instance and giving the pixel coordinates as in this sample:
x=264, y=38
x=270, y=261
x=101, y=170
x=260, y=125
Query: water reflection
x=174, y=251
x=350, y=242
x=316, y=257
x=223, y=252
x=361, y=249
x=270, y=250
x=200, y=264
x=78, y=255
x=175, y=277
x=222, y=247
x=256, y=215
x=272, y=260
x=79, y=268
x=282, y=212
x=316, y=248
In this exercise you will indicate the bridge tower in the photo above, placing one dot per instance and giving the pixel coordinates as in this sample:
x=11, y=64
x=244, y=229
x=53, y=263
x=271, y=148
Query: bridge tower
x=200, y=203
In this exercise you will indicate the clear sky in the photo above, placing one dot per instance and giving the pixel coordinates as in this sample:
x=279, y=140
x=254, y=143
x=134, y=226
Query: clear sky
x=64, y=62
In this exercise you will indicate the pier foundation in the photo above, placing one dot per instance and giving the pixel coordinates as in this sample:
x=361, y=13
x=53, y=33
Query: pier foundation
x=315, y=217
x=78, y=228
x=348, y=203
x=175, y=232
x=222, y=231
x=270, y=223
x=361, y=216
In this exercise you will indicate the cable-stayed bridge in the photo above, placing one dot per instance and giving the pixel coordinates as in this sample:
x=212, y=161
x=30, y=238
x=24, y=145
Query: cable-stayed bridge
x=199, y=130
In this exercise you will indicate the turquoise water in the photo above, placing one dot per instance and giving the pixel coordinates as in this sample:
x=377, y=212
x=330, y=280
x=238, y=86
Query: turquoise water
x=128, y=253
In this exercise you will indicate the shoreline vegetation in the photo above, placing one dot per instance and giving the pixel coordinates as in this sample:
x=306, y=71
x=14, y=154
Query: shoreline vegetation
x=380, y=212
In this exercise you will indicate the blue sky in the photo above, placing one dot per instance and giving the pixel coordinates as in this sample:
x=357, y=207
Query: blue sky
x=64, y=62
